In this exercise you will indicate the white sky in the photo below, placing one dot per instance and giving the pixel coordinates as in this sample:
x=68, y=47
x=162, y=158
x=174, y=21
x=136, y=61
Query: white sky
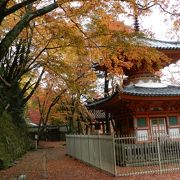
x=156, y=23
x=161, y=29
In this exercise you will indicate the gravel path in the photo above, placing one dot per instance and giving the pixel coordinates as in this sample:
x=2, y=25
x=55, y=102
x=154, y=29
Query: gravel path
x=50, y=162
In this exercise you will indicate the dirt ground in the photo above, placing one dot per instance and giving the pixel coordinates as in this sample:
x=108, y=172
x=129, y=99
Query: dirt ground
x=50, y=162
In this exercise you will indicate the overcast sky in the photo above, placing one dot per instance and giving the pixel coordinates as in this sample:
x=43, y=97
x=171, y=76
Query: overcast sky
x=156, y=23
x=159, y=27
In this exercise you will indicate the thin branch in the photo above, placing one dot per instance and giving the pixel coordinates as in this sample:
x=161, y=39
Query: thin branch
x=25, y=88
x=44, y=106
x=141, y=7
x=38, y=55
x=78, y=27
x=35, y=87
x=5, y=82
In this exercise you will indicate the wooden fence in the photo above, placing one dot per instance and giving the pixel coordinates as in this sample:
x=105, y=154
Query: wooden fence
x=127, y=155
x=95, y=150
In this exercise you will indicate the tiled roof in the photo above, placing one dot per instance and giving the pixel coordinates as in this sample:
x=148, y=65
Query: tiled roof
x=142, y=91
x=158, y=44
x=100, y=101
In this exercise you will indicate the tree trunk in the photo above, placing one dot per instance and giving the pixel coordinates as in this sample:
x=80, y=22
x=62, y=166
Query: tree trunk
x=14, y=33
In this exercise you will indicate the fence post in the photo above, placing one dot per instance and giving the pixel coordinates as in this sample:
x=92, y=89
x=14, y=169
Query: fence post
x=159, y=155
x=88, y=149
x=74, y=146
x=100, y=163
x=114, y=154
x=81, y=147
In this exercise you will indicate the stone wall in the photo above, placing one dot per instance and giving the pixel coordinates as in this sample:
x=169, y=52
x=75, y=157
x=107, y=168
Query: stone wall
x=14, y=141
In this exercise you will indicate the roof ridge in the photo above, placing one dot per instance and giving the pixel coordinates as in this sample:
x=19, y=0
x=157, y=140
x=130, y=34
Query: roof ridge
x=157, y=40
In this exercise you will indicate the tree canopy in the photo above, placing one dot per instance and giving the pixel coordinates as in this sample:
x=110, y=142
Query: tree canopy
x=38, y=37
x=18, y=14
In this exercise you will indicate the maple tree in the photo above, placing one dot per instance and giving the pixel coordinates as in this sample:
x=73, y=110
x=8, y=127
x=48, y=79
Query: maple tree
x=59, y=97
x=134, y=59
x=28, y=10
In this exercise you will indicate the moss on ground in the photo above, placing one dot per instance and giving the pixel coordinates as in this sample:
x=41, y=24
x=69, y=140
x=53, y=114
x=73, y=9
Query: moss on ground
x=14, y=141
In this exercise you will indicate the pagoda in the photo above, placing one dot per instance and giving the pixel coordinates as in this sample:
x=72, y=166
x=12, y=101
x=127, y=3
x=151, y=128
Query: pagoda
x=143, y=106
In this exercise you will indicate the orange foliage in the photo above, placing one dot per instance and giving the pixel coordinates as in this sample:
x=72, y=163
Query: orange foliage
x=66, y=41
x=33, y=115
x=134, y=59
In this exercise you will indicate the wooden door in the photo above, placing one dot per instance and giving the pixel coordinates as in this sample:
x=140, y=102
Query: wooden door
x=158, y=127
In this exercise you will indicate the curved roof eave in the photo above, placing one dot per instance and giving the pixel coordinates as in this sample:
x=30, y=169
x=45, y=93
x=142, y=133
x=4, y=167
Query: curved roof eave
x=159, y=44
x=101, y=101
x=134, y=92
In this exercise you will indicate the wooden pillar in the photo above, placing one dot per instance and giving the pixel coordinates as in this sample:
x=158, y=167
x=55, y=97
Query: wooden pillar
x=103, y=128
x=107, y=123
x=106, y=85
x=87, y=129
x=113, y=125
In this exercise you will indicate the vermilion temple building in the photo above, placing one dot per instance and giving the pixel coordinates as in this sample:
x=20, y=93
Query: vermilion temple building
x=143, y=106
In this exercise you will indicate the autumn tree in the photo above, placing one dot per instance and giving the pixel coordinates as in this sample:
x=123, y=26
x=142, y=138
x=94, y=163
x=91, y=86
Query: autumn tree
x=68, y=110
x=28, y=10
x=14, y=91
x=64, y=87
x=91, y=26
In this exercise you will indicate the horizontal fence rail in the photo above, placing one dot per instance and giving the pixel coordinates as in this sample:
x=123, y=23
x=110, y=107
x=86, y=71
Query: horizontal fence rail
x=127, y=155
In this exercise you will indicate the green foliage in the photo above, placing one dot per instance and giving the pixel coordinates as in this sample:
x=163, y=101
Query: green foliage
x=13, y=141
x=12, y=99
x=15, y=87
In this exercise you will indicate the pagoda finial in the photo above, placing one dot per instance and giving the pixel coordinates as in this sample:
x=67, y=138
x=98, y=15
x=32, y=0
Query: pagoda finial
x=136, y=23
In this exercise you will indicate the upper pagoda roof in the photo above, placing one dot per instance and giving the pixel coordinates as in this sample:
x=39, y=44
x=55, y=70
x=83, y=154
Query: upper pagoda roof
x=147, y=91
x=158, y=44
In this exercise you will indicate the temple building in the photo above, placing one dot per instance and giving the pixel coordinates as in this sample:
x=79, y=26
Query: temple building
x=144, y=106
